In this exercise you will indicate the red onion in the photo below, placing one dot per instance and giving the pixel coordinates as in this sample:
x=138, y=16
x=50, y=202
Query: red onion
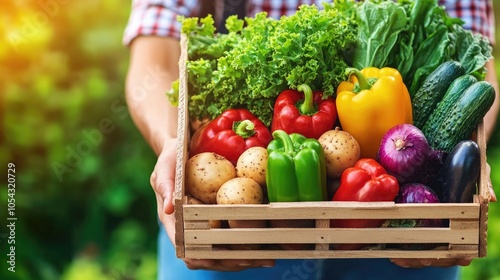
x=403, y=151
x=419, y=193
x=416, y=193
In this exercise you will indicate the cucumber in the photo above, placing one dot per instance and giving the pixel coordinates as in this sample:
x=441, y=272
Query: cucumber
x=461, y=120
x=443, y=108
x=425, y=100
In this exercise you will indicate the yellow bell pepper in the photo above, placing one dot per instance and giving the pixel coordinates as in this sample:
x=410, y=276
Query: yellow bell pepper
x=370, y=103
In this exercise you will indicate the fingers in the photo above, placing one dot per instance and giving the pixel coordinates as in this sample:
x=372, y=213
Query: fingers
x=419, y=263
x=163, y=178
x=492, y=195
x=162, y=196
x=244, y=264
x=159, y=206
x=195, y=264
x=227, y=265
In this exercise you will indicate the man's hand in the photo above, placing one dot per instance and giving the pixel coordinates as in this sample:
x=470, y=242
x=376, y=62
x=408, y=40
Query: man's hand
x=163, y=178
x=419, y=263
x=162, y=181
x=493, y=197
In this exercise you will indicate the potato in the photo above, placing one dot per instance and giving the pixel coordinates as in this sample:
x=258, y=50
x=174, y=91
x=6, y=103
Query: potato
x=341, y=151
x=240, y=191
x=205, y=174
x=253, y=164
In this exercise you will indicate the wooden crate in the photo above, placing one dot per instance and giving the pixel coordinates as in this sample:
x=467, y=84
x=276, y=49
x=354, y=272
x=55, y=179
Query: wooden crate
x=464, y=237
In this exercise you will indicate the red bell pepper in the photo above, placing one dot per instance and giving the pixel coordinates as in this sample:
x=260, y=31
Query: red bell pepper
x=366, y=181
x=230, y=134
x=305, y=113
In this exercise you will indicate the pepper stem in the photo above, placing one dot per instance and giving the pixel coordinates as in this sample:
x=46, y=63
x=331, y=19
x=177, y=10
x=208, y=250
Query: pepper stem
x=307, y=108
x=362, y=81
x=285, y=138
x=244, y=128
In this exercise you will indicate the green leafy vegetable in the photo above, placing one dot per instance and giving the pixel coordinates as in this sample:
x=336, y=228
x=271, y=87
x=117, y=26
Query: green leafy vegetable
x=428, y=27
x=252, y=64
x=378, y=28
x=471, y=50
x=428, y=38
x=261, y=56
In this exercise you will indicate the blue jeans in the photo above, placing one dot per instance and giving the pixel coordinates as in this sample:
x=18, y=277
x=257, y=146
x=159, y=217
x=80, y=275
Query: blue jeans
x=172, y=268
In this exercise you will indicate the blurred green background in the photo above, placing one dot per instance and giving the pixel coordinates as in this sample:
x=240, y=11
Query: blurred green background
x=84, y=205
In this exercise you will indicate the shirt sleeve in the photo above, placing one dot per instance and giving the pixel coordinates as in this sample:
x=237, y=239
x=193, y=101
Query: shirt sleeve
x=157, y=18
x=478, y=15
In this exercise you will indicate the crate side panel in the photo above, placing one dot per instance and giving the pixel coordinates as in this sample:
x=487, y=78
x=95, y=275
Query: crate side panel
x=483, y=196
x=341, y=254
x=331, y=236
x=181, y=152
x=332, y=210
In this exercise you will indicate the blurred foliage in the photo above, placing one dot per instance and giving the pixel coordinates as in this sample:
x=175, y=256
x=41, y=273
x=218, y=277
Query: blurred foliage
x=84, y=205
x=489, y=268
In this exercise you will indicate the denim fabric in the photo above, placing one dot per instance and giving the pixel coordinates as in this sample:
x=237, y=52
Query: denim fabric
x=170, y=268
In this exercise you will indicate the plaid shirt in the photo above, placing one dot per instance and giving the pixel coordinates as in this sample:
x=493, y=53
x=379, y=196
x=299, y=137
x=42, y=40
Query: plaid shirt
x=159, y=17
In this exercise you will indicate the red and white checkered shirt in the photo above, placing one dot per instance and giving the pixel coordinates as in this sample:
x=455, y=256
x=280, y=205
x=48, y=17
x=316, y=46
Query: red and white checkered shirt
x=159, y=17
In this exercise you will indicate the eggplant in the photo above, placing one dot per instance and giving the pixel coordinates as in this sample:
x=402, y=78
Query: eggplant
x=457, y=179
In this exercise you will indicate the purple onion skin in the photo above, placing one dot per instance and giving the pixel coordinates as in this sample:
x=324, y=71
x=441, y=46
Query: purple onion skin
x=419, y=193
x=403, y=152
x=416, y=193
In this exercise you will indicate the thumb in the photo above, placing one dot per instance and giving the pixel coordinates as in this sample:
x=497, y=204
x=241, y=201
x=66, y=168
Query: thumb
x=163, y=180
x=168, y=203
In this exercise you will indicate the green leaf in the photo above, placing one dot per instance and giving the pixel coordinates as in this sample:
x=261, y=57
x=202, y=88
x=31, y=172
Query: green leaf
x=379, y=26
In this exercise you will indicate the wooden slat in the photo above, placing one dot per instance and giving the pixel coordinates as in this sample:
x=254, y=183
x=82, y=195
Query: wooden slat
x=483, y=175
x=332, y=210
x=483, y=229
x=463, y=247
x=182, y=125
x=484, y=195
x=198, y=247
x=456, y=224
x=197, y=225
x=322, y=224
x=319, y=235
x=181, y=152
x=312, y=254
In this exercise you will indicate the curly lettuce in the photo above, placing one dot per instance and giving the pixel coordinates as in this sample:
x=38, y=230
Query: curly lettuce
x=262, y=56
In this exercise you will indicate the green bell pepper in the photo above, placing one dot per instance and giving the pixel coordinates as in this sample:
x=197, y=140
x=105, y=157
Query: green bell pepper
x=296, y=168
